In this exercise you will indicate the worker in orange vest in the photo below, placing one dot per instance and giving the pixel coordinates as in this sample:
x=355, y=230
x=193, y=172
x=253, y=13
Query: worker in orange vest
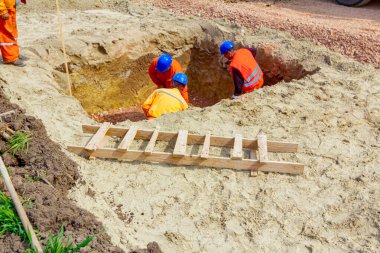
x=8, y=33
x=244, y=69
x=167, y=100
x=162, y=70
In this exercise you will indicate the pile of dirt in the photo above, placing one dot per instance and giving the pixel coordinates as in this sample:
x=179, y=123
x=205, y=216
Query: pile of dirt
x=42, y=177
x=47, y=206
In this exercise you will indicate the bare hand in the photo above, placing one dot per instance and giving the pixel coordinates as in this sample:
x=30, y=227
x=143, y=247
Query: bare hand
x=5, y=16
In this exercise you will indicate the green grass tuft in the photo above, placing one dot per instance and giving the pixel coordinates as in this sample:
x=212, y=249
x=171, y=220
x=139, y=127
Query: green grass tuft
x=58, y=244
x=19, y=143
x=9, y=220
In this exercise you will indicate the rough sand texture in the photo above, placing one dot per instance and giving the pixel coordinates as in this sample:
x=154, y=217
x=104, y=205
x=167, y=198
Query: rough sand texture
x=334, y=115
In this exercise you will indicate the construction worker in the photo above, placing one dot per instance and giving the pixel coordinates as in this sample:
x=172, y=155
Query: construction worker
x=167, y=100
x=162, y=70
x=244, y=69
x=8, y=33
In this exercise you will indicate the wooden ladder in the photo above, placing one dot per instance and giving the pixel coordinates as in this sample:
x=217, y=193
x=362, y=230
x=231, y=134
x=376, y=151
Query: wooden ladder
x=254, y=163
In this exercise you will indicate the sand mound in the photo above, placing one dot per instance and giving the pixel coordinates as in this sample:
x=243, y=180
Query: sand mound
x=333, y=113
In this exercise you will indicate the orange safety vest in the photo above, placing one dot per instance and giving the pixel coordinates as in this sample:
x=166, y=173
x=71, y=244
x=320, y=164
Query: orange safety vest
x=246, y=64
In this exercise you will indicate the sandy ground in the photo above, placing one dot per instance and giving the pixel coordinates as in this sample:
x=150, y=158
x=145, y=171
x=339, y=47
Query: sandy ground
x=334, y=115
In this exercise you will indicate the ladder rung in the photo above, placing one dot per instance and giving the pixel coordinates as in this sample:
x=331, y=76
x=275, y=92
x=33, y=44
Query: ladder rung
x=128, y=138
x=152, y=142
x=180, y=145
x=206, y=146
x=237, y=153
x=98, y=136
x=262, y=147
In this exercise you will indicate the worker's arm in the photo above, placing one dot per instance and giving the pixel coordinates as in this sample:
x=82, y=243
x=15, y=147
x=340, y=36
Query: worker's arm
x=3, y=9
x=238, y=82
x=148, y=103
x=152, y=74
x=185, y=94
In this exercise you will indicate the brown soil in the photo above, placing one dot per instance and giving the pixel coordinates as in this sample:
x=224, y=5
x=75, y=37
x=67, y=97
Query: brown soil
x=47, y=208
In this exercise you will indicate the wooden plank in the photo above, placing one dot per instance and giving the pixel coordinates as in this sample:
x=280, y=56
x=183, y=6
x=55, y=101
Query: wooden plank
x=215, y=162
x=98, y=136
x=237, y=153
x=152, y=142
x=180, y=145
x=262, y=148
x=253, y=156
x=195, y=139
x=6, y=115
x=128, y=138
x=206, y=146
x=101, y=144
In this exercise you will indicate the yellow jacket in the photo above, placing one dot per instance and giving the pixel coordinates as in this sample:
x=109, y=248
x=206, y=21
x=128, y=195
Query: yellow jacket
x=163, y=101
x=6, y=5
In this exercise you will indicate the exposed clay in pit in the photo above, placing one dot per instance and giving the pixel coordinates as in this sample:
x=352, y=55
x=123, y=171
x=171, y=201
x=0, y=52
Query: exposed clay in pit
x=115, y=91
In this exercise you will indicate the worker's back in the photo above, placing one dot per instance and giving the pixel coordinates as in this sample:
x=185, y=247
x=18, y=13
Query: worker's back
x=164, y=78
x=163, y=101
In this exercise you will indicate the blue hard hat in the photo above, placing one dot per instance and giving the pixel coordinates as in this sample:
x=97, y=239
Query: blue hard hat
x=226, y=46
x=180, y=78
x=164, y=62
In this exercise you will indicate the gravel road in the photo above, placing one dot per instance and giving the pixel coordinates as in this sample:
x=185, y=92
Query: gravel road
x=354, y=32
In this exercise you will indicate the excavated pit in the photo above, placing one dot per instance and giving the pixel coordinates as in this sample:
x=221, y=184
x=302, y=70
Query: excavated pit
x=115, y=91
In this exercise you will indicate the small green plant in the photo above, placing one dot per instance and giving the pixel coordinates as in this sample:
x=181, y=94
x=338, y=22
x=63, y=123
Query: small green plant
x=30, y=178
x=28, y=203
x=58, y=244
x=9, y=220
x=19, y=143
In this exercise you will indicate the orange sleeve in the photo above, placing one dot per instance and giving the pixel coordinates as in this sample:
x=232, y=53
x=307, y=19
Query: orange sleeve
x=148, y=103
x=185, y=94
x=3, y=8
x=152, y=73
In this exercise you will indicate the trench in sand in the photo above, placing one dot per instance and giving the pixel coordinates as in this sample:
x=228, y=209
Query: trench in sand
x=114, y=91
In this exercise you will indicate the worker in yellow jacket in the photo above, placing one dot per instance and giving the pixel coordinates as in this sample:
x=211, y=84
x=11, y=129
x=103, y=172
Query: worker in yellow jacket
x=8, y=32
x=163, y=100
